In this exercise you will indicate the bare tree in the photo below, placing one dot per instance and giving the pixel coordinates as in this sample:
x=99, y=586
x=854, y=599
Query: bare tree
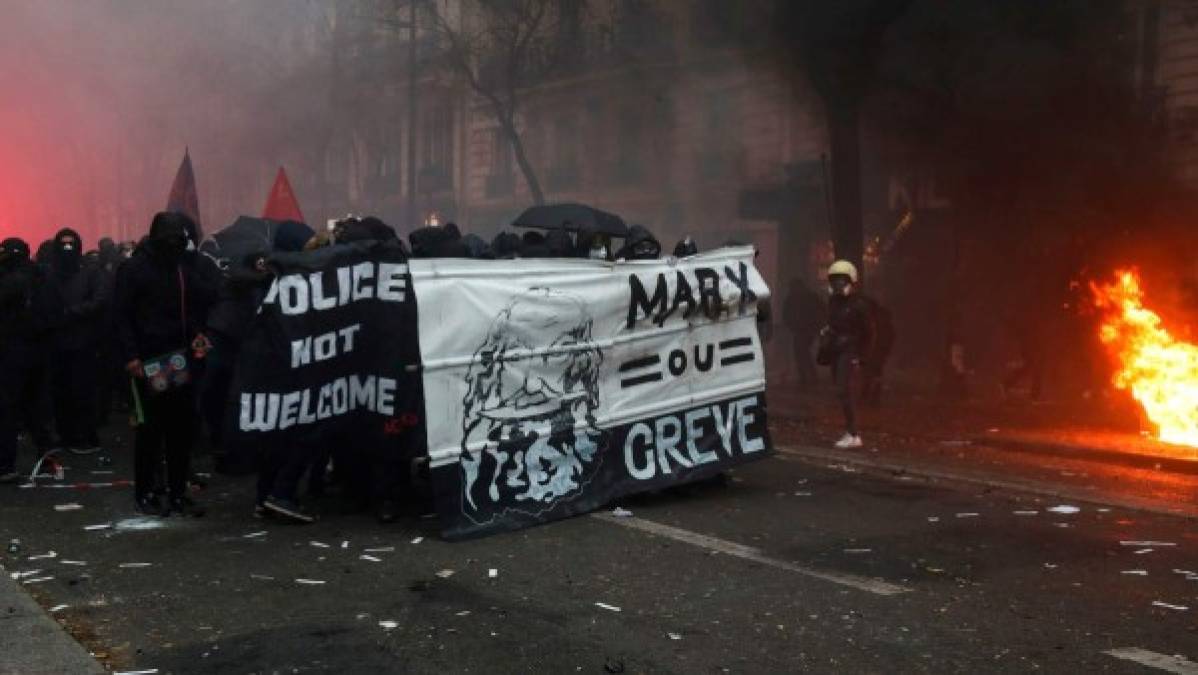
x=500, y=48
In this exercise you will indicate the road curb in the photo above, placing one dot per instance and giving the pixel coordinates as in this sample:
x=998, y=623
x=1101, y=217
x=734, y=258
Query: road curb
x=31, y=641
x=1078, y=451
x=824, y=456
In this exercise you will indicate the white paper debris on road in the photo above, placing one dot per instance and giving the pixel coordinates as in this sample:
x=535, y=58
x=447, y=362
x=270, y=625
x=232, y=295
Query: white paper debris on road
x=1184, y=572
x=37, y=580
x=445, y=574
x=310, y=582
x=621, y=512
x=1050, y=566
x=101, y=526
x=388, y=625
x=858, y=550
x=610, y=608
x=254, y=535
x=344, y=545
x=1026, y=513
x=1143, y=551
x=464, y=612
x=261, y=577
x=381, y=549
x=142, y=523
x=933, y=519
x=58, y=608
x=68, y=507
x=134, y=565
x=1166, y=605
x=1139, y=573
x=151, y=671
x=319, y=544
x=1063, y=508
x=21, y=575
x=492, y=573
x=417, y=540
x=1149, y=544
x=968, y=515
x=369, y=557
x=43, y=556
x=72, y=562
x=802, y=493
x=674, y=636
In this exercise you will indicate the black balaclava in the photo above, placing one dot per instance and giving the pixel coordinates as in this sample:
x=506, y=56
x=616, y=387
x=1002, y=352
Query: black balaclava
x=168, y=236
x=13, y=252
x=68, y=251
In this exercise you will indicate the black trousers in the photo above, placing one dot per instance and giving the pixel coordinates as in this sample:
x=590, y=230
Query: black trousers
x=24, y=400
x=73, y=381
x=845, y=373
x=282, y=468
x=214, y=387
x=167, y=431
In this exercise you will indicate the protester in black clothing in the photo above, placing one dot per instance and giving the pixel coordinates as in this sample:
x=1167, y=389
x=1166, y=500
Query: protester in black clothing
x=24, y=315
x=845, y=341
x=159, y=300
x=83, y=303
x=640, y=244
x=685, y=248
x=110, y=374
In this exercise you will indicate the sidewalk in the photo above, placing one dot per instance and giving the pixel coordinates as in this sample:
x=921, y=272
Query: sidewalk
x=31, y=641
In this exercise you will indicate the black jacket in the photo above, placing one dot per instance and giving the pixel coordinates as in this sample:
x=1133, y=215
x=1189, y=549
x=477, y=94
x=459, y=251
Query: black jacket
x=25, y=307
x=850, y=320
x=159, y=305
x=83, y=298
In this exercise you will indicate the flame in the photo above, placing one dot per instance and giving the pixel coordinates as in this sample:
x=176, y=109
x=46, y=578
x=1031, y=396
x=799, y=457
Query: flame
x=1160, y=371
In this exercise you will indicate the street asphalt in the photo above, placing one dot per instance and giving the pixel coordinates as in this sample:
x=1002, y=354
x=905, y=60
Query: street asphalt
x=801, y=562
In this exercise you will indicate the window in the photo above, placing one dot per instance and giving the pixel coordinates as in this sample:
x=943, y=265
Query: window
x=500, y=181
x=436, y=166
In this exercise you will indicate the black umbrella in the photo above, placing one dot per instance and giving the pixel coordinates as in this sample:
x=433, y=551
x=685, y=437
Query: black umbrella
x=246, y=236
x=572, y=218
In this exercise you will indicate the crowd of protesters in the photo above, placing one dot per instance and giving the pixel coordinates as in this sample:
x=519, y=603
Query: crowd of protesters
x=159, y=323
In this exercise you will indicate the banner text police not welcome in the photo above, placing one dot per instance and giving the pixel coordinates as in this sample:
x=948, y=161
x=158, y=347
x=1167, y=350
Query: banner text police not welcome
x=298, y=294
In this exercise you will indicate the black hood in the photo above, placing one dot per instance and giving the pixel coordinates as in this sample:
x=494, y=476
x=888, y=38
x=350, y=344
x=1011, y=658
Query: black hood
x=168, y=236
x=640, y=245
x=68, y=254
x=14, y=251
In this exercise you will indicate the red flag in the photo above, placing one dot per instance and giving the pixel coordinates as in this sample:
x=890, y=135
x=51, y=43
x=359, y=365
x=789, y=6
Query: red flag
x=183, y=197
x=281, y=204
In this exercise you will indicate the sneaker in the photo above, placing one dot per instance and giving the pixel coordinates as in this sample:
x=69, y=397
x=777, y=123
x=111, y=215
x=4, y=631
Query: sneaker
x=289, y=510
x=150, y=505
x=7, y=477
x=849, y=441
x=388, y=511
x=186, y=506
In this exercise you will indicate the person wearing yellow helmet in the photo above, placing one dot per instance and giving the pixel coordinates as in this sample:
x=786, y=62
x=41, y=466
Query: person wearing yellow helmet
x=846, y=339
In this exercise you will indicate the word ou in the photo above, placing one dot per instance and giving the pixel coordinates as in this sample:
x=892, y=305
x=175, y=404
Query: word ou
x=300, y=293
x=647, y=369
x=659, y=448
x=323, y=347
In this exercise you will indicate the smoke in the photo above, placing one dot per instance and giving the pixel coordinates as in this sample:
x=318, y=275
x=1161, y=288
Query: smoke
x=102, y=97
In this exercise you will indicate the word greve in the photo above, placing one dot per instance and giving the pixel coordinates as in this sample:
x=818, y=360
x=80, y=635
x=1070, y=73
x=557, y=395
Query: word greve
x=676, y=441
x=327, y=289
x=279, y=411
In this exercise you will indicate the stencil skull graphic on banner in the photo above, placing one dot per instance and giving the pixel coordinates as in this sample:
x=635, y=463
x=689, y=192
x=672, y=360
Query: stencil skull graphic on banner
x=529, y=435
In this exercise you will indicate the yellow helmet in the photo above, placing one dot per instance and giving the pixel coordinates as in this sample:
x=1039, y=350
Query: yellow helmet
x=845, y=268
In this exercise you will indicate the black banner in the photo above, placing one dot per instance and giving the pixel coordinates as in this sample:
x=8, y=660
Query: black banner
x=559, y=468
x=333, y=354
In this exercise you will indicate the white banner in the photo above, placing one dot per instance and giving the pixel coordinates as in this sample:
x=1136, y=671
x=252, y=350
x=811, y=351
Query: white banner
x=552, y=386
